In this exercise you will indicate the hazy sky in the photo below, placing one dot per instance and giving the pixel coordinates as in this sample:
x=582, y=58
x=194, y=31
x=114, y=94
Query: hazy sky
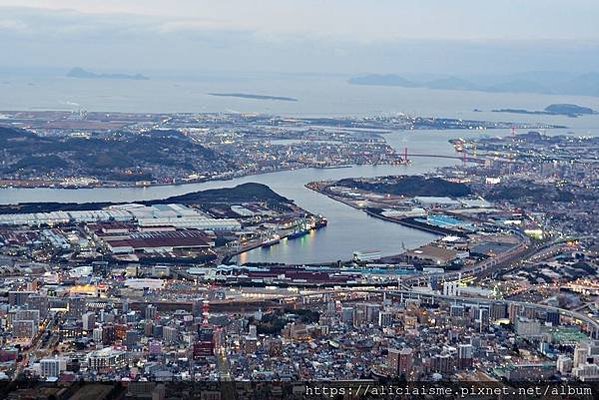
x=346, y=36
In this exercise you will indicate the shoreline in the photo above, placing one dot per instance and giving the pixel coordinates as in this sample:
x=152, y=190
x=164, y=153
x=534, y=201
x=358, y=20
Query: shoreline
x=402, y=222
x=58, y=186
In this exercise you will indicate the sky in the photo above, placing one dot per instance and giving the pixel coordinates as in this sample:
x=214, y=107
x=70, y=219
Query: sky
x=308, y=36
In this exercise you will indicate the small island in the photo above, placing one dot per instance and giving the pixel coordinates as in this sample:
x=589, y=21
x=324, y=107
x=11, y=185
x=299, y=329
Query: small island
x=569, y=110
x=253, y=96
x=81, y=73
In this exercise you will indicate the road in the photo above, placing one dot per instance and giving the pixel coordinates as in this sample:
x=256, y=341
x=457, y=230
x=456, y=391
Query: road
x=228, y=390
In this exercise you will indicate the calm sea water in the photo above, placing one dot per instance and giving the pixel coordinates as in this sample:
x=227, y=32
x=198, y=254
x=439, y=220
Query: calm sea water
x=316, y=96
x=348, y=230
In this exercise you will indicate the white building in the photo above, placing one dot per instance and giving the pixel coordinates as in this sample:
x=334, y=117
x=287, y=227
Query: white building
x=176, y=215
x=564, y=364
x=587, y=372
x=89, y=321
x=106, y=358
x=581, y=354
x=98, y=335
x=52, y=367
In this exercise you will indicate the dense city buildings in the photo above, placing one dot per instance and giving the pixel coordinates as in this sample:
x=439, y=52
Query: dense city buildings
x=149, y=149
x=152, y=291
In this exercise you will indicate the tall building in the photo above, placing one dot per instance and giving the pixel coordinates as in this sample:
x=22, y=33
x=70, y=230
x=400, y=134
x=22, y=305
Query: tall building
x=170, y=334
x=18, y=298
x=347, y=315
x=564, y=364
x=148, y=328
x=24, y=329
x=483, y=320
x=451, y=288
x=366, y=313
x=89, y=321
x=581, y=355
x=158, y=331
x=456, y=311
x=132, y=338
x=498, y=311
x=553, y=318
x=97, y=335
x=513, y=312
x=154, y=348
x=465, y=356
x=77, y=306
x=27, y=315
x=204, y=347
x=385, y=319
x=40, y=303
x=150, y=312
x=253, y=331
x=443, y=363
x=108, y=334
x=399, y=361
x=52, y=367
x=587, y=372
x=106, y=359
x=125, y=306
x=331, y=308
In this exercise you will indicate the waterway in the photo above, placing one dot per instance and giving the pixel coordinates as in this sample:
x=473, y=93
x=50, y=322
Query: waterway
x=348, y=230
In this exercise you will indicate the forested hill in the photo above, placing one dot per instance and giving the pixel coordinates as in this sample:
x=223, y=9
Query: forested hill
x=408, y=186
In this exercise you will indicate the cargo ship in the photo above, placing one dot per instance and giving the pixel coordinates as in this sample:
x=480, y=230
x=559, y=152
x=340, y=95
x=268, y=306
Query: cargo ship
x=271, y=241
x=305, y=226
x=298, y=233
x=320, y=222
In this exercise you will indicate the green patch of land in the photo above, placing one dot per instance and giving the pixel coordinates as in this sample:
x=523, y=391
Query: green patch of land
x=538, y=193
x=409, y=186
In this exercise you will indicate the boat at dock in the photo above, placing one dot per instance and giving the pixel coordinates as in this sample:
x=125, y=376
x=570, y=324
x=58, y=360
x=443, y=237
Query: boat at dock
x=298, y=234
x=271, y=241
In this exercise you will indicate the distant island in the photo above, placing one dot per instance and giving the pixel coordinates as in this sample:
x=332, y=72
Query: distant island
x=253, y=96
x=584, y=85
x=382, y=80
x=80, y=73
x=569, y=110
